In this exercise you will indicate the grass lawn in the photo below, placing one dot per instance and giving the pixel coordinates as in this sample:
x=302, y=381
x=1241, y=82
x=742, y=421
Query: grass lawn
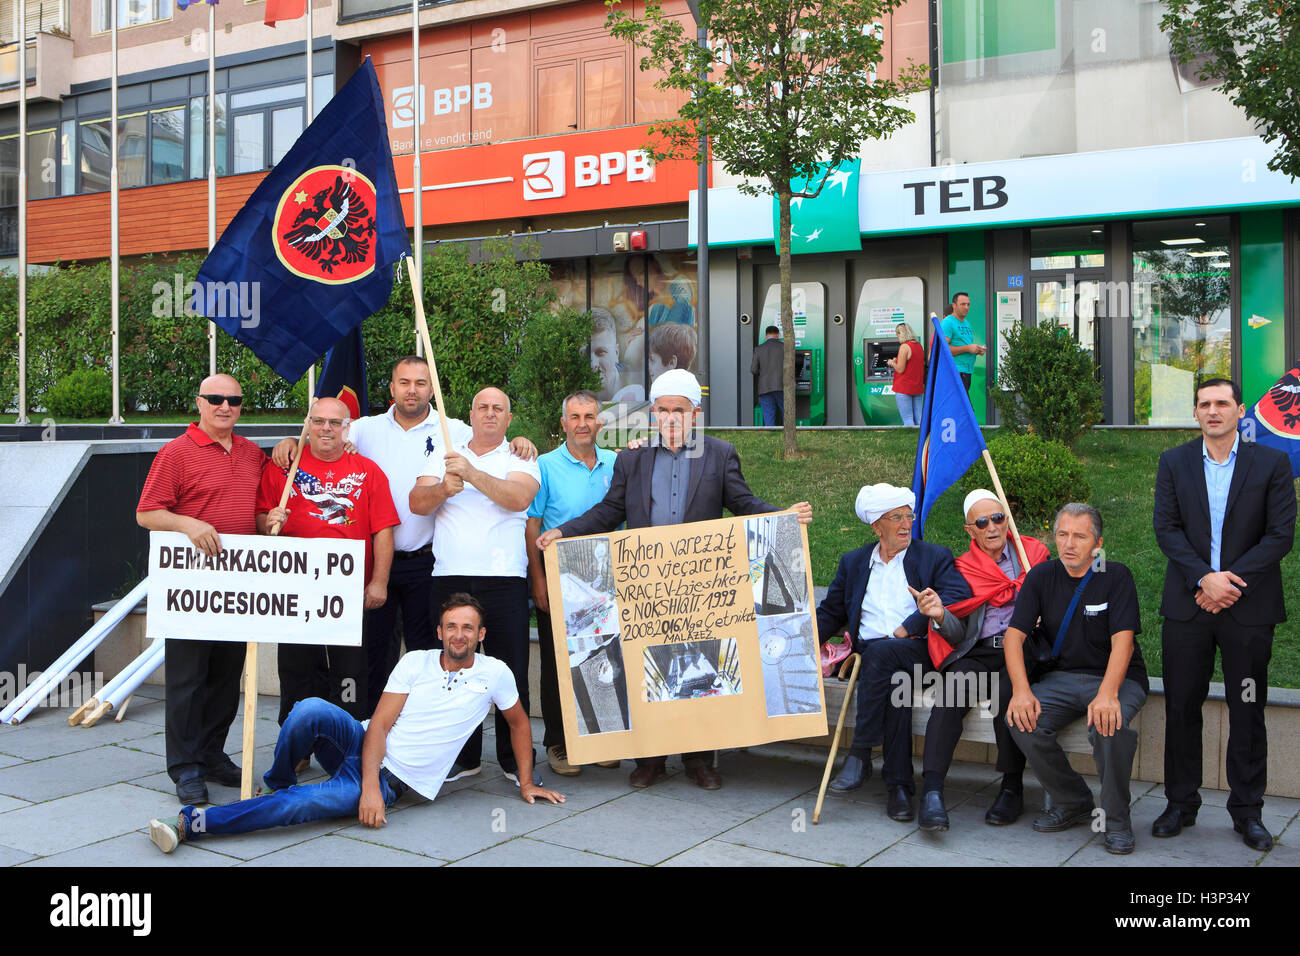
x=1121, y=467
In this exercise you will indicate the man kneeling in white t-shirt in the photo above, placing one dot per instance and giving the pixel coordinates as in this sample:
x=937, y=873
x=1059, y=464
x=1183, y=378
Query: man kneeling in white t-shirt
x=433, y=702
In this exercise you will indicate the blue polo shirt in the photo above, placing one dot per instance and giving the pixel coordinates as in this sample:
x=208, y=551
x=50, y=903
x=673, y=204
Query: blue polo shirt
x=959, y=332
x=568, y=488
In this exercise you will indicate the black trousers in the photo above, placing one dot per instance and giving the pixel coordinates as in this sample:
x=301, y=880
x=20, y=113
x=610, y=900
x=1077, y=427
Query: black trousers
x=552, y=716
x=1187, y=650
x=955, y=700
x=410, y=591
x=505, y=603
x=202, y=680
x=332, y=673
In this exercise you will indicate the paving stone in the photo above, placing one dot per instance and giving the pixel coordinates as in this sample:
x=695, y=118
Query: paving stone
x=1017, y=844
x=11, y=857
x=592, y=787
x=641, y=827
x=73, y=773
x=721, y=853
x=11, y=803
x=1282, y=855
x=134, y=849
x=1278, y=811
x=51, y=827
x=50, y=736
x=338, y=850
x=908, y=853
x=850, y=832
x=525, y=851
x=750, y=784
x=1195, y=846
x=8, y=760
x=459, y=824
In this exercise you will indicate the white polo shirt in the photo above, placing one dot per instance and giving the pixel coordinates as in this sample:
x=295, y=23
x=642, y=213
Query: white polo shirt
x=473, y=534
x=887, y=602
x=442, y=709
x=402, y=454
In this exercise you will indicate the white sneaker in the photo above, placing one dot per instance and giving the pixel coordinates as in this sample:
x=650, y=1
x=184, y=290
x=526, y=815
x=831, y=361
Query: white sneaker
x=165, y=836
x=513, y=777
x=457, y=771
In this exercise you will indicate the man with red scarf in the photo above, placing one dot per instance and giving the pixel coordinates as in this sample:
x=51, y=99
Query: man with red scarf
x=966, y=649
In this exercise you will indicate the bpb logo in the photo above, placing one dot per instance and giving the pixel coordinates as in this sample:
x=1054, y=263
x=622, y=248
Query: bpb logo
x=544, y=175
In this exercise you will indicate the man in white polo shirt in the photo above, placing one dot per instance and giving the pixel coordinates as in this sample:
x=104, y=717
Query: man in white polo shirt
x=401, y=442
x=480, y=493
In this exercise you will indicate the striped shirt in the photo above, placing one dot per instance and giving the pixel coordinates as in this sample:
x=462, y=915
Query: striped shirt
x=196, y=477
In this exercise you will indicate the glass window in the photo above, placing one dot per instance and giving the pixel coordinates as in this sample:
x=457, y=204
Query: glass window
x=167, y=148
x=602, y=92
x=67, y=157
x=131, y=13
x=286, y=126
x=42, y=164
x=132, y=150
x=557, y=103
x=322, y=91
x=618, y=310
x=1182, y=314
x=250, y=143
x=1067, y=247
x=9, y=170
x=273, y=94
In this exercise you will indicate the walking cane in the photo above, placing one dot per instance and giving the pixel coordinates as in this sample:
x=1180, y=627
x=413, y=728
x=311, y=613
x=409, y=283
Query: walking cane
x=839, y=726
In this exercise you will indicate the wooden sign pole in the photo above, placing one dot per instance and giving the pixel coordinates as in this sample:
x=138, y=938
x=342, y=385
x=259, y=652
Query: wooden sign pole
x=250, y=653
x=423, y=329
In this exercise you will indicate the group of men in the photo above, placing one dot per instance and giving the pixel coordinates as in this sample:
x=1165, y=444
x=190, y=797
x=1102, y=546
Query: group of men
x=1047, y=642
x=463, y=529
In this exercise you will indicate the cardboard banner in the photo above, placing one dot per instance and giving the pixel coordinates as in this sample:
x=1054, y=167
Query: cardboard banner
x=687, y=637
x=259, y=589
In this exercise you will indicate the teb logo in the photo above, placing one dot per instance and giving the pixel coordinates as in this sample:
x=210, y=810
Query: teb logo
x=324, y=226
x=544, y=175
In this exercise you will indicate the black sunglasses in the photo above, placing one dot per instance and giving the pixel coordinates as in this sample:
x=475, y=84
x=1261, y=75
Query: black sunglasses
x=234, y=400
x=983, y=523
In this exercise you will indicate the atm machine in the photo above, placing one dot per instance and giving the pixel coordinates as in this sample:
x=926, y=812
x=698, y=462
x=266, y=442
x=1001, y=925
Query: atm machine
x=882, y=305
x=808, y=302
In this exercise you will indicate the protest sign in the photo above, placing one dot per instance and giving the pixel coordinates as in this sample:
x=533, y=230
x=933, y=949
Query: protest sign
x=685, y=637
x=258, y=589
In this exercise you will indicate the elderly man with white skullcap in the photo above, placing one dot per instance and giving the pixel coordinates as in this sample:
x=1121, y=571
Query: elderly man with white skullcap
x=679, y=476
x=874, y=597
x=966, y=642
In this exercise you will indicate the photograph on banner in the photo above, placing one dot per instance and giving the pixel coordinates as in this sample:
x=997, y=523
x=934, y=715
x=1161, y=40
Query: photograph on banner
x=788, y=647
x=692, y=669
x=776, y=564
x=599, y=684
x=257, y=589
x=667, y=650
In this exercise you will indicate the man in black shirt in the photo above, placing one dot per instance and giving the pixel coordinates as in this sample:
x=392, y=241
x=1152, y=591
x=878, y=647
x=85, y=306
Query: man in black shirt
x=1096, y=670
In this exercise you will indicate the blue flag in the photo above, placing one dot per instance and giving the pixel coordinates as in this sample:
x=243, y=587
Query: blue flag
x=1274, y=420
x=311, y=254
x=183, y=4
x=950, y=440
x=344, y=375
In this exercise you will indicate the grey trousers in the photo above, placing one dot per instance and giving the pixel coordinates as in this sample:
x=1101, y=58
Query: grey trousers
x=1065, y=696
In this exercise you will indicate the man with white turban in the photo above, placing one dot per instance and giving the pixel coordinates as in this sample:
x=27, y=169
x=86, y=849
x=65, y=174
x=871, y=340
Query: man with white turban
x=679, y=476
x=874, y=598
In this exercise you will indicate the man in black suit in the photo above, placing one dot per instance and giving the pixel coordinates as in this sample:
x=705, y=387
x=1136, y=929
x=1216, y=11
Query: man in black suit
x=874, y=595
x=679, y=476
x=1225, y=512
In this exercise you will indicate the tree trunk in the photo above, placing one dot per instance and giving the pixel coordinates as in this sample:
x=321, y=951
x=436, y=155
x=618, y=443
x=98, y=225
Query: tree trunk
x=789, y=441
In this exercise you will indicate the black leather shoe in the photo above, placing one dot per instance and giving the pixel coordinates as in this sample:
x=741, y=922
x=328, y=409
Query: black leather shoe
x=933, y=816
x=1006, y=809
x=224, y=772
x=1062, y=818
x=191, y=790
x=852, y=774
x=1254, y=834
x=900, y=804
x=1171, y=822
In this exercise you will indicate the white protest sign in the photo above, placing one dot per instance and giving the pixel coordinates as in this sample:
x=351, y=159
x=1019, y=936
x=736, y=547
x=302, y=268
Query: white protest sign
x=257, y=590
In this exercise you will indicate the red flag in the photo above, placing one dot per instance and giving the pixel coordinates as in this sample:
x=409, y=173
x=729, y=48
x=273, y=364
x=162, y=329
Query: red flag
x=284, y=10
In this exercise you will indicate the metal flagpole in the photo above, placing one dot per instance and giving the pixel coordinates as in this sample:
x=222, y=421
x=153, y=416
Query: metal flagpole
x=417, y=181
x=22, y=213
x=212, y=166
x=114, y=256
x=311, y=371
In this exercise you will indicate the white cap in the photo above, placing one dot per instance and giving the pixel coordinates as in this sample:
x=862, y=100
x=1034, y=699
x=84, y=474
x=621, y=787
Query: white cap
x=876, y=500
x=975, y=497
x=676, y=381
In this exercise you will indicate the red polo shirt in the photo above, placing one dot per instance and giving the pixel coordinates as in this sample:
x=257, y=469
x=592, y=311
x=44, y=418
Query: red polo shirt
x=194, y=476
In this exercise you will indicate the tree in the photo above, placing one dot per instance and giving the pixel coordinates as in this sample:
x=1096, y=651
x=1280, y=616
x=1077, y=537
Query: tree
x=788, y=96
x=1246, y=46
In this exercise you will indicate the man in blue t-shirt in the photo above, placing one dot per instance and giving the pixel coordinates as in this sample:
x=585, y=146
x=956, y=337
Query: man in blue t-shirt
x=1095, y=670
x=961, y=337
x=574, y=477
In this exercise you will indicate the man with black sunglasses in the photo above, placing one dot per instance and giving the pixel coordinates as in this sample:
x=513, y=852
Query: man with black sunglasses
x=970, y=650
x=203, y=484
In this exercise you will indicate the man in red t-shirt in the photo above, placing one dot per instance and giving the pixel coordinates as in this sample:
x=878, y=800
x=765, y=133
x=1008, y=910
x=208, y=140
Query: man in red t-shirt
x=335, y=495
x=203, y=484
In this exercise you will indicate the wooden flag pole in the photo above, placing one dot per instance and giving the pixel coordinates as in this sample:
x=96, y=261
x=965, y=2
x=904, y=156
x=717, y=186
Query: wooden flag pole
x=1011, y=521
x=250, y=653
x=423, y=328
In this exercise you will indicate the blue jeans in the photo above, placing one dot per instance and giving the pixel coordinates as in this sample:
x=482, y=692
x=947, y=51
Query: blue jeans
x=909, y=407
x=771, y=402
x=313, y=726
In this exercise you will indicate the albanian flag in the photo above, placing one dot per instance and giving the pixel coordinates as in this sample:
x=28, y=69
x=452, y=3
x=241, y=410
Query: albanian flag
x=1274, y=420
